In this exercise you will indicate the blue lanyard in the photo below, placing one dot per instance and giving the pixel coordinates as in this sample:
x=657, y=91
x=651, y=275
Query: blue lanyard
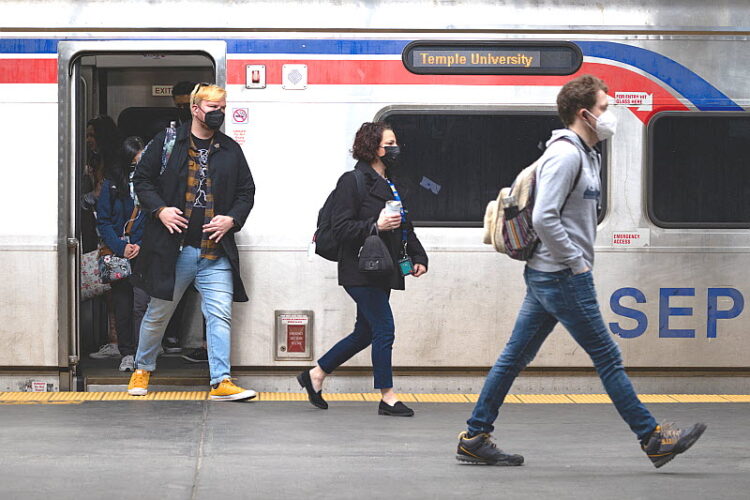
x=403, y=212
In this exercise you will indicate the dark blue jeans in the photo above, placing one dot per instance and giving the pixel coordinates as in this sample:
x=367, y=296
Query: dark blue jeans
x=374, y=326
x=571, y=300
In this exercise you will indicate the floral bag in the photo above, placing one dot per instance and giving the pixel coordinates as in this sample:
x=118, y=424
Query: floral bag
x=112, y=267
x=91, y=283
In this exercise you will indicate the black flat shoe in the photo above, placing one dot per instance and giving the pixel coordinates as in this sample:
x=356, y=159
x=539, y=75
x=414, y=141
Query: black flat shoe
x=315, y=398
x=397, y=410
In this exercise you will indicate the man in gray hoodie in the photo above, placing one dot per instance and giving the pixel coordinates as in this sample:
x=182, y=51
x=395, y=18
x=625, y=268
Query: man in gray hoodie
x=560, y=286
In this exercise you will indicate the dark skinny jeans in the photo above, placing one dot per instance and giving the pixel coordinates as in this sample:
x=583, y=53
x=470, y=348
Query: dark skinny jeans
x=374, y=326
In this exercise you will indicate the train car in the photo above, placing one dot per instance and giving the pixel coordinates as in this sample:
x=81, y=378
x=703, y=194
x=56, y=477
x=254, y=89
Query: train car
x=469, y=87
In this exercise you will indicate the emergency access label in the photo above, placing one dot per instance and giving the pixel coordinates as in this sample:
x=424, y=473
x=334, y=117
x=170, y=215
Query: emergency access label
x=641, y=100
x=638, y=238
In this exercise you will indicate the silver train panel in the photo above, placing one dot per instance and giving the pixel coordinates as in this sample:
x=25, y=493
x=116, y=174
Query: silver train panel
x=462, y=311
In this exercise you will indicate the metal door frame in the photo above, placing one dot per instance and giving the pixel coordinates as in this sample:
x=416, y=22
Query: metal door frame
x=68, y=248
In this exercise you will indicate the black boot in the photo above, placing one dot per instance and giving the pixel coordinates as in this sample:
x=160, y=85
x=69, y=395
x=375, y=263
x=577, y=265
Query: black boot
x=315, y=398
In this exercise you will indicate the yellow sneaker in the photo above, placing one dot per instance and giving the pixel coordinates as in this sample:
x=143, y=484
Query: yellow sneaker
x=138, y=385
x=227, y=391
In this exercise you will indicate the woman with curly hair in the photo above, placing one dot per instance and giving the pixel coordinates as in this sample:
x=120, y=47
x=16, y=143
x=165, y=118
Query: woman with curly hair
x=357, y=210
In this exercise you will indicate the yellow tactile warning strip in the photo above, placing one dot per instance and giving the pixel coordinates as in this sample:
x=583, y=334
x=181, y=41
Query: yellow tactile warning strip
x=10, y=398
x=544, y=398
x=589, y=398
x=698, y=398
x=282, y=396
x=656, y=398
x=737, y=398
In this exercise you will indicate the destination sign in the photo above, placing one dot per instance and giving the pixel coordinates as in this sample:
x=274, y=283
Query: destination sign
x=492, y=58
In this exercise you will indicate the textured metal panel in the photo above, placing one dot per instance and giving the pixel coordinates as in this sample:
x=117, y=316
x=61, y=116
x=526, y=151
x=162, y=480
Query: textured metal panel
x=416, y=14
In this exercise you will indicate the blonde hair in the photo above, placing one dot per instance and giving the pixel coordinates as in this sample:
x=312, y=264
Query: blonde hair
x=207, y=92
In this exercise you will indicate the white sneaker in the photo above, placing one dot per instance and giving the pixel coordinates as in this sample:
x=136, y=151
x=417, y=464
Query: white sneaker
x=106, y=351
x=127, y=364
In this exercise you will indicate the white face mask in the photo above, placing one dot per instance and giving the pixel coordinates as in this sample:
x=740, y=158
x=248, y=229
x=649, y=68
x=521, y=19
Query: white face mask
x=606, y=125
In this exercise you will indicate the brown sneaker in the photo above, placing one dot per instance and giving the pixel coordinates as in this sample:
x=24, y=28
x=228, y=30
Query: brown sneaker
x=667, y=442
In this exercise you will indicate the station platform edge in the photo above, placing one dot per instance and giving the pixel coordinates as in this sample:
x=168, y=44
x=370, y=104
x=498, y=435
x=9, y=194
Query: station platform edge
x=81, y=397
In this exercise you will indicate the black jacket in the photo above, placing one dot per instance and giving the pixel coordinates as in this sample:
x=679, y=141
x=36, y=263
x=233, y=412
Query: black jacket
x=233, y=191
x=352, y=222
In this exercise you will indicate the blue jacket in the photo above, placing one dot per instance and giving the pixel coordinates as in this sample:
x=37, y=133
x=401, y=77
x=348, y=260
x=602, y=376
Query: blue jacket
x=112, y=214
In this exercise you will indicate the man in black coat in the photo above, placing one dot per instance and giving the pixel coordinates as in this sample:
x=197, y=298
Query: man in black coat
x=197, y=188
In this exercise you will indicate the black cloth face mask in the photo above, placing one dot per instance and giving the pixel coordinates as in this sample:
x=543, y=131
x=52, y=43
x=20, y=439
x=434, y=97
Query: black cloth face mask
x=390, y=158
x=214, y=119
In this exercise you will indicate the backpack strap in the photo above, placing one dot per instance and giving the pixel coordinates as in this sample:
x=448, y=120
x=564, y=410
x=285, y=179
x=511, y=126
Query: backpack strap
x=578, y=175
x=361, y=188
x=170, y=136
x=360, y=178
x=131, y=221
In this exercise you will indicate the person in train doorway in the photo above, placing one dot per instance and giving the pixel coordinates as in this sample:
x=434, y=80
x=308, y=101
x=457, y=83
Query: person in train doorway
x=560, y=285
x=181, y=97
x=196, y=205
x=357, y=208
x=176, y=336
x=120, y=223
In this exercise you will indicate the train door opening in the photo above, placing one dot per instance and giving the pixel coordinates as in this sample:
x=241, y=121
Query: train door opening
x=118, y=97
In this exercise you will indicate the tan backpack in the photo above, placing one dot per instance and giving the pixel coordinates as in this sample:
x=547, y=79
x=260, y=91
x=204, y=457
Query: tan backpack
x=507, y=220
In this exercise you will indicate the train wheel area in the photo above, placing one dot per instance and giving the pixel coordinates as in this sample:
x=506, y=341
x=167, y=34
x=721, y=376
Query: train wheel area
x=202, y=450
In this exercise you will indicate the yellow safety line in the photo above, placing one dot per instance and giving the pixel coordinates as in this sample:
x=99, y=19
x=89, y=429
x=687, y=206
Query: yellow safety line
x=544, y=398
x=589, y=398
x=79, y=397
x=698, y=398
x=441, y=398
x=282, y=396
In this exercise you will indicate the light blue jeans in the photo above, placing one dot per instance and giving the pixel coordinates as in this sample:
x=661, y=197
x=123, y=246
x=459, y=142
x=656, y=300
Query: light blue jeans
x=213, y=279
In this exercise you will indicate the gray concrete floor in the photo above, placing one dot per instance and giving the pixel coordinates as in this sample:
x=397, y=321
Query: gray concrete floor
x=207, y=450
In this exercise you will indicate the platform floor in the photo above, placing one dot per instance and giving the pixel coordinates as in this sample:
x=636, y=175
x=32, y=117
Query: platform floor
x=279, y=450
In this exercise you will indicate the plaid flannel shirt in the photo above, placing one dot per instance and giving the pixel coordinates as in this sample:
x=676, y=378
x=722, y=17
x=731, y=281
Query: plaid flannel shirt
x=209, y=248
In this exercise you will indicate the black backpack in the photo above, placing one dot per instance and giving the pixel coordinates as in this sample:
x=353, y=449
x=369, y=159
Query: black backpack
x=326, y=244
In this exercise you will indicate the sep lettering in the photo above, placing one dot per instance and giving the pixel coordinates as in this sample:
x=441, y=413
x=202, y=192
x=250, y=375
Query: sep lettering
x=713, y=313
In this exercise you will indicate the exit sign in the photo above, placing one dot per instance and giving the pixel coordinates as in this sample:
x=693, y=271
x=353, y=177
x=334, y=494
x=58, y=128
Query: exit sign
x=161, y=90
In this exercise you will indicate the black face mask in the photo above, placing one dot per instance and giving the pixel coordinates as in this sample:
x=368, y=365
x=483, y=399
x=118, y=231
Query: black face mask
x=214, y=119
x=390, y=158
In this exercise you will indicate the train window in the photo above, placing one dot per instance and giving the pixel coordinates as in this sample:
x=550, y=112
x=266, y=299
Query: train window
x=698, y=172
x=454, y=162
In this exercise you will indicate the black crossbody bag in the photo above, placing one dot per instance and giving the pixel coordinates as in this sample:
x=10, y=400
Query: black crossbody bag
x=374, y=257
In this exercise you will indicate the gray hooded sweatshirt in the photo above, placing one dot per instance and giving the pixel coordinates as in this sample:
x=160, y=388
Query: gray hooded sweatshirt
x=566, y=236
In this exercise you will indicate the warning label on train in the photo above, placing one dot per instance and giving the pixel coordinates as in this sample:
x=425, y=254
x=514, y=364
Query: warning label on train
x=239, y=116
x=638, y=238
x=641, y=100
